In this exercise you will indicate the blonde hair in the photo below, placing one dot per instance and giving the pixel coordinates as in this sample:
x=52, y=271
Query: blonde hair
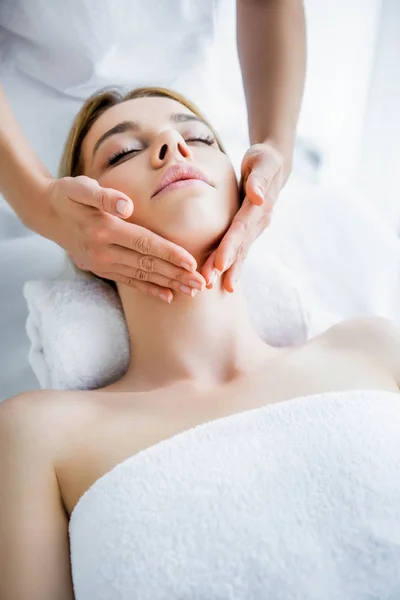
x=71, y=164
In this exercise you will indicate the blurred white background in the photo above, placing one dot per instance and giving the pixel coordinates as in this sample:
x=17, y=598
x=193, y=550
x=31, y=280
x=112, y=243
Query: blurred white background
x=351, y=106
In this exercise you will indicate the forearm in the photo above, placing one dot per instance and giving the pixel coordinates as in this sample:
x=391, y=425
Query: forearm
x=22, y=176
x=271, y=44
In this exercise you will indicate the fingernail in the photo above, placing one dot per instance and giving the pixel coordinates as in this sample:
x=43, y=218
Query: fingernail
x=197, y=285
x=122, y=207
x=187, y=290
x=165, y=297
x=260, y=192
x=187, y=266
x=214, y=276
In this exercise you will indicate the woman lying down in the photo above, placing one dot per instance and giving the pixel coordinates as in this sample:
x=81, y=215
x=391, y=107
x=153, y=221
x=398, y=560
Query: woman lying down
x=218, y=466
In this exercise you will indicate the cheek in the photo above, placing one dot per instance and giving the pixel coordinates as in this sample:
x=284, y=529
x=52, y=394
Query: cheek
x=124, y=178
x=228, y=187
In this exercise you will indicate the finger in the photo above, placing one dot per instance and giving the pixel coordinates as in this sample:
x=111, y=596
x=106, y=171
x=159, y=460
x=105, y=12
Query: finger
x=154, y=267
x=208, y=269
x=260, y=166
x=146, y=242
x=232, y=275
x=237, y=235
x=151, y=289
x=255, y=196
x=88, y=191
x=159, y=280
x=259, y=181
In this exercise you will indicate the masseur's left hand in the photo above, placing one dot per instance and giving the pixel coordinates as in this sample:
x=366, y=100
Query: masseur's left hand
x=261, y=181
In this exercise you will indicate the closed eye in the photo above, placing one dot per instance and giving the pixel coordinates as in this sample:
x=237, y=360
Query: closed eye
x=120, y=154
x=209, y=140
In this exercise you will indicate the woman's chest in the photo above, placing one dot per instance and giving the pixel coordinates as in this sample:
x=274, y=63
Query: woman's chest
x=127, y=425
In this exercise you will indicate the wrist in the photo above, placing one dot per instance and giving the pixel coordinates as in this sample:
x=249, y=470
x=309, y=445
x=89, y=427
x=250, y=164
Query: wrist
x=39, y=213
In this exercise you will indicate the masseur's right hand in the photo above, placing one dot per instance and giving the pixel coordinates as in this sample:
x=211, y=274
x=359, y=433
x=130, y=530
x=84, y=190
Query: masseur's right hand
x=85, y=221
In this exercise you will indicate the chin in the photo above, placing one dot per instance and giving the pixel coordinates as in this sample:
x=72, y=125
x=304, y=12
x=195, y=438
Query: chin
x=196, y=240
x=196, y=222
x=196, y=231
x=195, y=218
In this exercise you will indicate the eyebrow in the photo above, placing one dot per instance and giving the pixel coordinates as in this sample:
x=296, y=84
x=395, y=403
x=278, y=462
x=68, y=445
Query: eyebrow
x=125, y=126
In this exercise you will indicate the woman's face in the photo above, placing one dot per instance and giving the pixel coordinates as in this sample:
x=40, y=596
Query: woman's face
x=131, y=148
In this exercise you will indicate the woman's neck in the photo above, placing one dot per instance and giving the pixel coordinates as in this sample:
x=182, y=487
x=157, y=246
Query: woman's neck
x=205, y=341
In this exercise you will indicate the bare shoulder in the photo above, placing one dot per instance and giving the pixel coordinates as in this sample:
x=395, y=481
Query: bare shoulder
x=29, y=407
x=378, y=337
x=366, y=330
x=46, y=414
x=39, y=403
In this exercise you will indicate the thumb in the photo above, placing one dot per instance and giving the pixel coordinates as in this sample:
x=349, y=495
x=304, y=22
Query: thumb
x=89, y=191
x=258, y=182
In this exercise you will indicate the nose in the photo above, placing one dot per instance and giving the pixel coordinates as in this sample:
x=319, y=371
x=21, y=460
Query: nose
x=169, y=146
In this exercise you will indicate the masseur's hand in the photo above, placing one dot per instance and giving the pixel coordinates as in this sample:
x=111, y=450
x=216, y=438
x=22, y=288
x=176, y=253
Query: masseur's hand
x=261, y=181
x=85, y=222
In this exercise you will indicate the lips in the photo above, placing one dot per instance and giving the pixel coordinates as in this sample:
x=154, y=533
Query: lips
x=180, y=172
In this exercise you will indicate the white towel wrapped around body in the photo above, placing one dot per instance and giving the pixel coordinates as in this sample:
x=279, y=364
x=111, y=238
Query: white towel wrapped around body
x=298, y=500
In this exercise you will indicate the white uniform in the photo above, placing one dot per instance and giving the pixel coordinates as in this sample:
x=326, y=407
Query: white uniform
x=53, y=55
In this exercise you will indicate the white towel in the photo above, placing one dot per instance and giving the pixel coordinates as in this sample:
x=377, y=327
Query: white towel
x=78, y=333
x=299, y=500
